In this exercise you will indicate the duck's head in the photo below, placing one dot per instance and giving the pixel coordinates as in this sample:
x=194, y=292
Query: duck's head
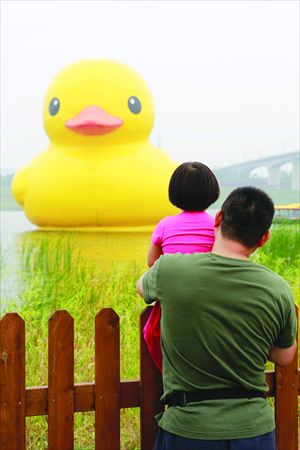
x=98, y=102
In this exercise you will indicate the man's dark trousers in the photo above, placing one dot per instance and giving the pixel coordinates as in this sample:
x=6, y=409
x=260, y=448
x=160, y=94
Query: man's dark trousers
x=169, y=441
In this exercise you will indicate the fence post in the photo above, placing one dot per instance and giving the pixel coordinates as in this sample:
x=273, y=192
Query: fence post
x=107, y=380
x=61, y=381
x=151, y=390
x=12, y=382
x=286, y=404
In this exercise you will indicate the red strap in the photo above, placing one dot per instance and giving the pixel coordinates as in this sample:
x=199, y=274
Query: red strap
x=152, y=335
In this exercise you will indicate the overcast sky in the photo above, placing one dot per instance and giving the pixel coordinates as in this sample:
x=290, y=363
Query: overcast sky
x=223, y=74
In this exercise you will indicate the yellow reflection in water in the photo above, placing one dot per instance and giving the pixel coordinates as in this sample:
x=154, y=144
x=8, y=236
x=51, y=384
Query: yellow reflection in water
x=101, y=248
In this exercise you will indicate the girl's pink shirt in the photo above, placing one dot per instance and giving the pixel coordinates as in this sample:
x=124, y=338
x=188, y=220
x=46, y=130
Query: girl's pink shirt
x=187, y=232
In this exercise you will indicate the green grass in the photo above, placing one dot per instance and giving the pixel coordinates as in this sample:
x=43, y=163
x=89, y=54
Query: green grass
x=282, y=251
x=54, y=276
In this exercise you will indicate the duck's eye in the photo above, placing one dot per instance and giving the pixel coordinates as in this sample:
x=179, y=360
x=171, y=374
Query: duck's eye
x=54, y=106
x=134, y=105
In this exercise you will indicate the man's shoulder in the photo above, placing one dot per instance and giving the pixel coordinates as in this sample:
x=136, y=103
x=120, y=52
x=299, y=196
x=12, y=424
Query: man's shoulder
x=269, y=273
x=210, y=260
x=180, y=259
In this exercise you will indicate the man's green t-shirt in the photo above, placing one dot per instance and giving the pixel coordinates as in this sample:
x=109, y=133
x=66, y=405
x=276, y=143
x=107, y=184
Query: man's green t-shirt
x=220, y=317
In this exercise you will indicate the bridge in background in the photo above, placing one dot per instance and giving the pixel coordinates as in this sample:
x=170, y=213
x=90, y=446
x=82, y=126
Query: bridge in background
x=273, y=165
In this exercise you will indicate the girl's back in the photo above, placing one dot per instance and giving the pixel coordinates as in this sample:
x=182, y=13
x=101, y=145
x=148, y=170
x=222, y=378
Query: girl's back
x=187, y=232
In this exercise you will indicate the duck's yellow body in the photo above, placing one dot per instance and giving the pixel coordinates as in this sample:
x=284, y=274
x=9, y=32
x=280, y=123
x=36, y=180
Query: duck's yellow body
x=100, y=170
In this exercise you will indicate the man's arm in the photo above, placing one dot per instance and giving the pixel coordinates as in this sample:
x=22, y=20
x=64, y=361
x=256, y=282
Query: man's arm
x=282, y=356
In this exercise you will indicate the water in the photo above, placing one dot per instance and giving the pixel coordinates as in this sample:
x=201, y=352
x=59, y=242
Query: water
x=101, y=248
x=13, y=223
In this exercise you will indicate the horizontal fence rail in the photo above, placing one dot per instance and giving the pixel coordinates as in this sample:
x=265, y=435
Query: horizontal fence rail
x=61, y=399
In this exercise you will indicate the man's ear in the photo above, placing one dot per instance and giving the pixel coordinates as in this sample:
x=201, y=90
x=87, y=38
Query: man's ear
x=264, y=239
x=218, y=218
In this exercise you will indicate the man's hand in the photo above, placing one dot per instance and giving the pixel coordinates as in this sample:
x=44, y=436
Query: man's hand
x=282, y=356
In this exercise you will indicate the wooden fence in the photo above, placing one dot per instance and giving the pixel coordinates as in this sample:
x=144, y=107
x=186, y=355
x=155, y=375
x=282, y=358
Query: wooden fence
x=62, y=398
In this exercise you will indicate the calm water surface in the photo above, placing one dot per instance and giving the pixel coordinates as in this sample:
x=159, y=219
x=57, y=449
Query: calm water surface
x=13, y=224
x=102, y=248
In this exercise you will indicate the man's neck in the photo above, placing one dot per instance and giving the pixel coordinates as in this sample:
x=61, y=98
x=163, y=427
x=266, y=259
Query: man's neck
x=230, y=249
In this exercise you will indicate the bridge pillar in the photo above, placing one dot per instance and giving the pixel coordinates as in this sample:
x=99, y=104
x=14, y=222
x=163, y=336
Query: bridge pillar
x=273, y=176
x=295, y=175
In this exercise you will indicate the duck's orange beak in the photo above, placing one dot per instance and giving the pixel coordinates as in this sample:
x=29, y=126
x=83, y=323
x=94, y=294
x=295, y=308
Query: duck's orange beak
x=92, y=121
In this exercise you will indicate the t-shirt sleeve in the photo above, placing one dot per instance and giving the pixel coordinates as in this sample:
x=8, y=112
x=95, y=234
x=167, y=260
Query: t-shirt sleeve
x=157, y=235
x=150, y=288
x=286, y=337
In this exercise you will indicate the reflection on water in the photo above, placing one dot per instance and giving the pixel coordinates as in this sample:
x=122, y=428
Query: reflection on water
x=101, y=248
x=12, y=223
x=20, y=239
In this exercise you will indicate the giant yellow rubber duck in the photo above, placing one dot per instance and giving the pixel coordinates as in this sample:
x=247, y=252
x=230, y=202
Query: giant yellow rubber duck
x=100, y=171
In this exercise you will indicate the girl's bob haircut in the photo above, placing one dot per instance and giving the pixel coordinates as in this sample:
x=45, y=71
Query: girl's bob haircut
x=193, y=187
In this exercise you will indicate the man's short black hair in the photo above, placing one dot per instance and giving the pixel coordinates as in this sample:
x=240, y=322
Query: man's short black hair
x=193, y=187
x=247, y=215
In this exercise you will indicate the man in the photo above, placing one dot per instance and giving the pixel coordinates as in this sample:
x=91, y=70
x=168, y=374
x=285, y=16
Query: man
x=223, y=316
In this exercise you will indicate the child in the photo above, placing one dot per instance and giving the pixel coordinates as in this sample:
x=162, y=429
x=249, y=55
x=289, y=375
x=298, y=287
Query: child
x=193, y=188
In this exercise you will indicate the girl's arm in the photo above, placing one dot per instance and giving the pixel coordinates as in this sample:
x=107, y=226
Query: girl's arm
x=154, y=253
x=139, y=285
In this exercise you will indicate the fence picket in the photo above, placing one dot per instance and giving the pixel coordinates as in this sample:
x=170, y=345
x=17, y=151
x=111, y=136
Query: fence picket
x=108, y=394
x=107, y=380
x=12, y=382
x=286, y=404
x=151, y=390
x=61, y=381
